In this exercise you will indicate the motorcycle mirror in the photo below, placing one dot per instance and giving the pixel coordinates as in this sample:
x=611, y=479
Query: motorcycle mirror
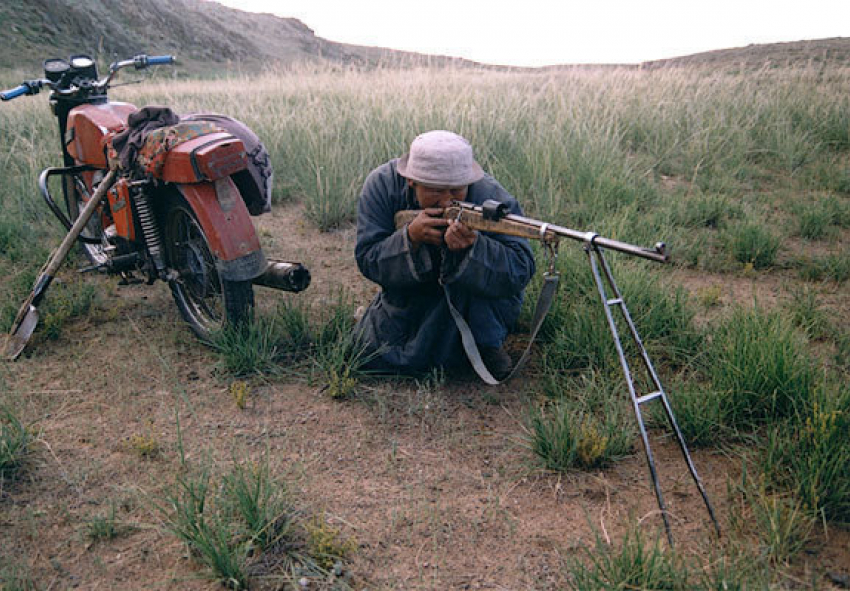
x=54, y=68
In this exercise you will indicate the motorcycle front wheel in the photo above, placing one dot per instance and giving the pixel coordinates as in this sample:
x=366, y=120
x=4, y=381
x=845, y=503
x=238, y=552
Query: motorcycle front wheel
x=95, y=252
x=206, y=302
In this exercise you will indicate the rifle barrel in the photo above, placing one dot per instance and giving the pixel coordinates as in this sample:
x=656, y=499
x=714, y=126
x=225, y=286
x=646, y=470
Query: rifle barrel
x=658, y=253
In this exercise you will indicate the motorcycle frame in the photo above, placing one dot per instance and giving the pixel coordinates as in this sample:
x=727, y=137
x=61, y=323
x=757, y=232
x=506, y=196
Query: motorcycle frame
x=218, y=206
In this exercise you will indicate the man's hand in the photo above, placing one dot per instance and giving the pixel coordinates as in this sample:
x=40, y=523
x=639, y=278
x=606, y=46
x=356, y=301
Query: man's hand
x=428, y=227
x=459, y=236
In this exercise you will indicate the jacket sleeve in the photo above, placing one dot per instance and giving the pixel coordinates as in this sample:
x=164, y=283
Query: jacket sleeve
x=384, y=254
x=496, y=265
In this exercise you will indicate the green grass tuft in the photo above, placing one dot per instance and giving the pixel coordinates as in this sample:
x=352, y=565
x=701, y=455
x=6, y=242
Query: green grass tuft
x=16, y=440
x=753, y=244
x=564, y=437
x=765, y=366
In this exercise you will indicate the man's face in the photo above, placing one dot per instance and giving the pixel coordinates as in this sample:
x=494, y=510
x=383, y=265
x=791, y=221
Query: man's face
x=441, y=197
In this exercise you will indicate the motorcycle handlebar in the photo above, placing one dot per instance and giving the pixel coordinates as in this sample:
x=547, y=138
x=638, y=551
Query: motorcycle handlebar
x=157, y=60
x=8, y=95
x=29, y=87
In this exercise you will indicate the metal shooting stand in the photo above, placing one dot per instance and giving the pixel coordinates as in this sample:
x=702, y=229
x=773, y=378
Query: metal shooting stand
x=493, y=216
x=597, y=260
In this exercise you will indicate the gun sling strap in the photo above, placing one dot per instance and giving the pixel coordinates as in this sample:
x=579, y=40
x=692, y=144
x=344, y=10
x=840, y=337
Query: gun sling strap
x=544, y=302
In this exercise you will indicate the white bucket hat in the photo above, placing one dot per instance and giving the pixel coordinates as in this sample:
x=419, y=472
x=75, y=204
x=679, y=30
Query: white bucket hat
x=442, y=159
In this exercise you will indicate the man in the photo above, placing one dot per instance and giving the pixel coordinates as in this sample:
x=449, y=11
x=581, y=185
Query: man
x=408, y=325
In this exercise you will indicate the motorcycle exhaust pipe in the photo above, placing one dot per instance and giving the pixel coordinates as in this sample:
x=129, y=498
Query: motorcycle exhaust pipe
x=284, y=275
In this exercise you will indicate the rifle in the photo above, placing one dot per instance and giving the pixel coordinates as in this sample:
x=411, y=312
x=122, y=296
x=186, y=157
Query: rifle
x=492, y=216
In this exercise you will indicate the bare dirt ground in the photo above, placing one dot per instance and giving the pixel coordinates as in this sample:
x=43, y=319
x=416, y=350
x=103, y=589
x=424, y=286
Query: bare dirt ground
x=432, y=481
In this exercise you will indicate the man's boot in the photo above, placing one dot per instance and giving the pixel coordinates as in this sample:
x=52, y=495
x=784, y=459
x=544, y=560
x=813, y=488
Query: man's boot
x=497, y=361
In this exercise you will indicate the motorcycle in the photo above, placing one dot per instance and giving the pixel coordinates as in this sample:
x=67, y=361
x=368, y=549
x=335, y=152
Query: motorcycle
x=148, y=193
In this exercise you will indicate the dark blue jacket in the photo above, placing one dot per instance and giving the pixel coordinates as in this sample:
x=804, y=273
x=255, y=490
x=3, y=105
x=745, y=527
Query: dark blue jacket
x=409, y=322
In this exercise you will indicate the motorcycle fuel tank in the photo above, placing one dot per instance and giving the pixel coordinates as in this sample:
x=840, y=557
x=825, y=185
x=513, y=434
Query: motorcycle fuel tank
x=88, y=128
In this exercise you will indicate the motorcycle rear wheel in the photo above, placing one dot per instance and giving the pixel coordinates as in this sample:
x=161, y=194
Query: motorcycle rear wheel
x=206, y=302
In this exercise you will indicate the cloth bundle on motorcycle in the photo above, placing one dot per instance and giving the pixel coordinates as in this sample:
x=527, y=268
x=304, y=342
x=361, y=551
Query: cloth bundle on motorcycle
x=194, y=148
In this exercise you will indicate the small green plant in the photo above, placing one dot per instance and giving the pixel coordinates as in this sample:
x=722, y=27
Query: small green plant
x=104, y=526
x=810, y=457
x=15, y=577
x=813, y=223
x=248, y=348
x=785, y=526
x=240, y=391
x=707, y=211
x=806, y=313
x=700, y=413
x=144, y=445
x=337, y=356
x=65, y=302
x=830, y=267
x=565, y=438
x=229, y=528
x=337, y=365
x=710, y=296
x=16, y=441
x=636, y=564
x=326, y=544
x=261, y=502
x=764, y=365
x=753, y=244
x=191, y=515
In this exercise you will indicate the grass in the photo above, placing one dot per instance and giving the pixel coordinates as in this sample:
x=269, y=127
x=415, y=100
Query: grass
x=751, y=243
x=764, y=365
x=719, y=165
x=830, y=267
x=636, y=563
x=105, y=526
x=809, y=456
x=229, y=526
x=244, y=527
x=16, y=441
x=290, y=341
x=564, y=439
x=586, y=424
x=700, y=413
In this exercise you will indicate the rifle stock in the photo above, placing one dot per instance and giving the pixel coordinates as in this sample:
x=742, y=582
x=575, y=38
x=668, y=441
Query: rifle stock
x=493, y=219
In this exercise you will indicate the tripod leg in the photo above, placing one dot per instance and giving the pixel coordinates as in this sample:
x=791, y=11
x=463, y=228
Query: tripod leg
x=597, y=259
x=594, y=254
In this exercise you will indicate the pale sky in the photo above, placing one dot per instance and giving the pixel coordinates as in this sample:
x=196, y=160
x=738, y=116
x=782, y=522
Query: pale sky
x=548, y=32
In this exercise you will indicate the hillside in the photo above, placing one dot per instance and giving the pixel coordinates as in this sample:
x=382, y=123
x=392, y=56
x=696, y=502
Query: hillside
x=200, y=32
x=204, y=33
x=834, y=51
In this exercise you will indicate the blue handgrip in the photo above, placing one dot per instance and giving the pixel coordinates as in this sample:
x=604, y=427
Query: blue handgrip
x=156, y=60
x=14, y=93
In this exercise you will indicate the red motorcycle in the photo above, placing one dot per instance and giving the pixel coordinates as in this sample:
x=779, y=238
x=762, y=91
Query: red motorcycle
x=146, y=192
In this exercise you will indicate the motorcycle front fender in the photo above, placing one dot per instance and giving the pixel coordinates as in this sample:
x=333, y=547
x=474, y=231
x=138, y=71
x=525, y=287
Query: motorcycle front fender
x=222, y=214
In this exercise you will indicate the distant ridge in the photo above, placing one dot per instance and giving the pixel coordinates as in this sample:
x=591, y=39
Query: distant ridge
x=201, y=33
x=206, y=35
x=832, y=51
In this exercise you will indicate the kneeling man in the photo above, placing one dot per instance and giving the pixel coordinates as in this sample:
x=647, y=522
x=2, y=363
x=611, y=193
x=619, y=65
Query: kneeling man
x=408, y=325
